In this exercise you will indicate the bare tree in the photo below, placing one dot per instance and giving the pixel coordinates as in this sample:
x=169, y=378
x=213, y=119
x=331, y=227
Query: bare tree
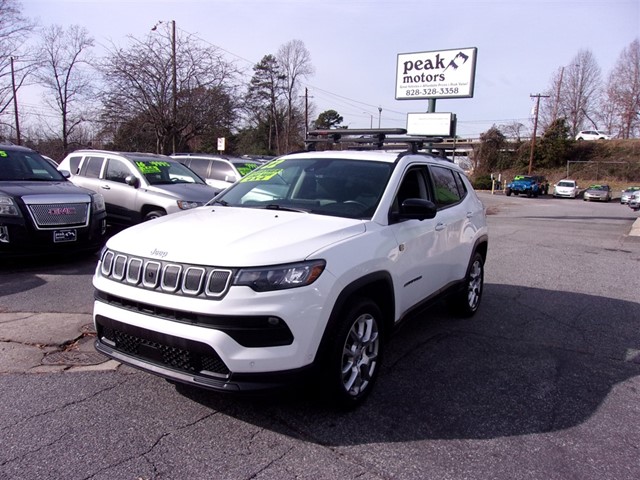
x=574, y=94
x=580, y=93
x=622, y=94
x=513, y=131
x=295, y=61
x=140, y=85
x=65, y=74
x=15, y=61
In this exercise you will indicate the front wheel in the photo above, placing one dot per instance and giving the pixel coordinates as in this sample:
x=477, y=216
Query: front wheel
x=154, y=214
x=467, y=301
x=354, y=354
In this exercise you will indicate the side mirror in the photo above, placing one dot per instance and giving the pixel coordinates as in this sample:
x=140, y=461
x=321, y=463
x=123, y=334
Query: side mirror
x=417, y=209
x=65, y=173
x=132, y=180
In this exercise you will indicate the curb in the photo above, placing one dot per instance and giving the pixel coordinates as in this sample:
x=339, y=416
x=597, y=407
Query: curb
x=49, y=342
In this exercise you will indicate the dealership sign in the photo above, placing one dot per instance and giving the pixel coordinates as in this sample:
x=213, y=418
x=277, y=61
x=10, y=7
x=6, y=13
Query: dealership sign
x=441, y=74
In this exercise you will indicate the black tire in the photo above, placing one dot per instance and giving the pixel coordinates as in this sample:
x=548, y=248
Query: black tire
x=354, y=354
x=153, y=214
x=466, y=302
x=508, y=192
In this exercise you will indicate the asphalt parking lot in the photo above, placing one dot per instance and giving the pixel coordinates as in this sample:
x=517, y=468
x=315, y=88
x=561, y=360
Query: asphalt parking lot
x=543, y=383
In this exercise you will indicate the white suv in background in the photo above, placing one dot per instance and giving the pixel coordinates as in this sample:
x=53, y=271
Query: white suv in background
x=592, y=135
x=300, y=270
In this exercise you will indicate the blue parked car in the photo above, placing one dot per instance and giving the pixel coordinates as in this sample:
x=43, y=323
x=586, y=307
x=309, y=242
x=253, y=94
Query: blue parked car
x=523, y=185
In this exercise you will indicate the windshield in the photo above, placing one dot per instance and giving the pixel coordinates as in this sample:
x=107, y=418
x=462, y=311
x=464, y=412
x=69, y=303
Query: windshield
x=162, y=172
x=337, y=187
x=566, y=184
x=20, y=166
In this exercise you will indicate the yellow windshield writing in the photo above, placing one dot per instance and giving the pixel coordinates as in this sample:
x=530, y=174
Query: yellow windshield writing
x=151, y=167
x=262, y=175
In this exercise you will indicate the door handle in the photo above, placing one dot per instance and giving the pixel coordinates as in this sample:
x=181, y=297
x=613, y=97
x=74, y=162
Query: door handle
x=105, y=187
x=440, y=227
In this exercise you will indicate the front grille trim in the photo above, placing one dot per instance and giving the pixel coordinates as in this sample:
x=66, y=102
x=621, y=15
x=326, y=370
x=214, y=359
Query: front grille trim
x=166, y=277
x=50, y=216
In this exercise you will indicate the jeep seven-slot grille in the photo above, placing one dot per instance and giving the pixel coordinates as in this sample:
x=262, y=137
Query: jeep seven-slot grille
x=55, y=215
x=166, y=277
x=171, y=352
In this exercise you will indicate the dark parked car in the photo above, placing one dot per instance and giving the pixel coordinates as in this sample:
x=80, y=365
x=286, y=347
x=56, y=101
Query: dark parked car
x=41, y=212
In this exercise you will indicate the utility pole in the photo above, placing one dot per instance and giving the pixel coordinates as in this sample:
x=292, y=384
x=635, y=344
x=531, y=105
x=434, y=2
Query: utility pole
x=306, y=113
x=175, y=83
x=379, y=116
x=15, y=102
x=535, y=128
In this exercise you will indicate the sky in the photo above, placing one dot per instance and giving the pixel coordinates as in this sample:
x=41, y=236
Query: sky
x=354, y=45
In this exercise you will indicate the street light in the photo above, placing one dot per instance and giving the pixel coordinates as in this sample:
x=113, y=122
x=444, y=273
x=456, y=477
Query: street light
x=371, y=115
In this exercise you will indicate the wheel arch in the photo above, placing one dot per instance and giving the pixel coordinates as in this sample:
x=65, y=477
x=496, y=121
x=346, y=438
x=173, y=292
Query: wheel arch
x=378, y=287
x=147, y=208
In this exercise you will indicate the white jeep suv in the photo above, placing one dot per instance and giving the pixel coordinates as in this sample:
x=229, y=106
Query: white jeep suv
x=299, y=270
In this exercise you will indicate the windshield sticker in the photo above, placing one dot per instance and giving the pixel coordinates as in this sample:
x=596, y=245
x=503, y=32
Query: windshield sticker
x=3, y=153
x=151, y=167
x=261, y=175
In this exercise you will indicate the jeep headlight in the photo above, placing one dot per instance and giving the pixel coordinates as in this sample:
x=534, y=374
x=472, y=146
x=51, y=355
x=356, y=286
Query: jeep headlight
x=97, y=202
x=280, y=277
x=8, y=207
x=186, y=205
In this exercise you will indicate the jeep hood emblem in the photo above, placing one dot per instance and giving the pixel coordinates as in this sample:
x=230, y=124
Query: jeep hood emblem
x=159, y=253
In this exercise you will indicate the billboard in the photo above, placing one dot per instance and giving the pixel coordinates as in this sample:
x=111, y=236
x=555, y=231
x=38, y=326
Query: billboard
x=431, y=124
x=437, y=74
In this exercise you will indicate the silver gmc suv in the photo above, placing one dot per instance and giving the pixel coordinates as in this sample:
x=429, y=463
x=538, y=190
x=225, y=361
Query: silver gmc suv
x=137, y=186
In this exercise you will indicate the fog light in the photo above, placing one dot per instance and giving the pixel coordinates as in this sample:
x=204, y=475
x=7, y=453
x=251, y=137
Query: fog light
x=4, y=234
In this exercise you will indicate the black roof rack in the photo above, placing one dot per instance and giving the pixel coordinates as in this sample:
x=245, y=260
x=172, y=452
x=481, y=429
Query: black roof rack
x=369, y=138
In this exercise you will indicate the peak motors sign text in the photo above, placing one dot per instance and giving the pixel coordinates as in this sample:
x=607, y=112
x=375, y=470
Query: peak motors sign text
x=443, y=74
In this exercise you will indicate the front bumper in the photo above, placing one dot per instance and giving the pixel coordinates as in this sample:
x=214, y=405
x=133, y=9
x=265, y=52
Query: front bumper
x=20, y=239
x=184, y=361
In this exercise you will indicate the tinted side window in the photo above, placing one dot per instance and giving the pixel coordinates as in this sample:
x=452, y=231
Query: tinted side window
x=222, y=171
x=116, y=171
x=74, y=163
x=91, y=167
x=200, y=166
x=462, y=189
x=446, y=187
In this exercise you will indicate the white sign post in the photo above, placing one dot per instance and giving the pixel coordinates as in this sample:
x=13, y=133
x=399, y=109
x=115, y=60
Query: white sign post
x=438, y=74
x=221, y=144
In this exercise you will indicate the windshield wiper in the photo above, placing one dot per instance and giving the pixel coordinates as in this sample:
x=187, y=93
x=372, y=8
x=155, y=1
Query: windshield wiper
x=275, y=206
x=224, y=203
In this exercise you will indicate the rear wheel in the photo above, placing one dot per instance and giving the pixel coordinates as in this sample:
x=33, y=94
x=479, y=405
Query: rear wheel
x=354, y=354
x=467, y=301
